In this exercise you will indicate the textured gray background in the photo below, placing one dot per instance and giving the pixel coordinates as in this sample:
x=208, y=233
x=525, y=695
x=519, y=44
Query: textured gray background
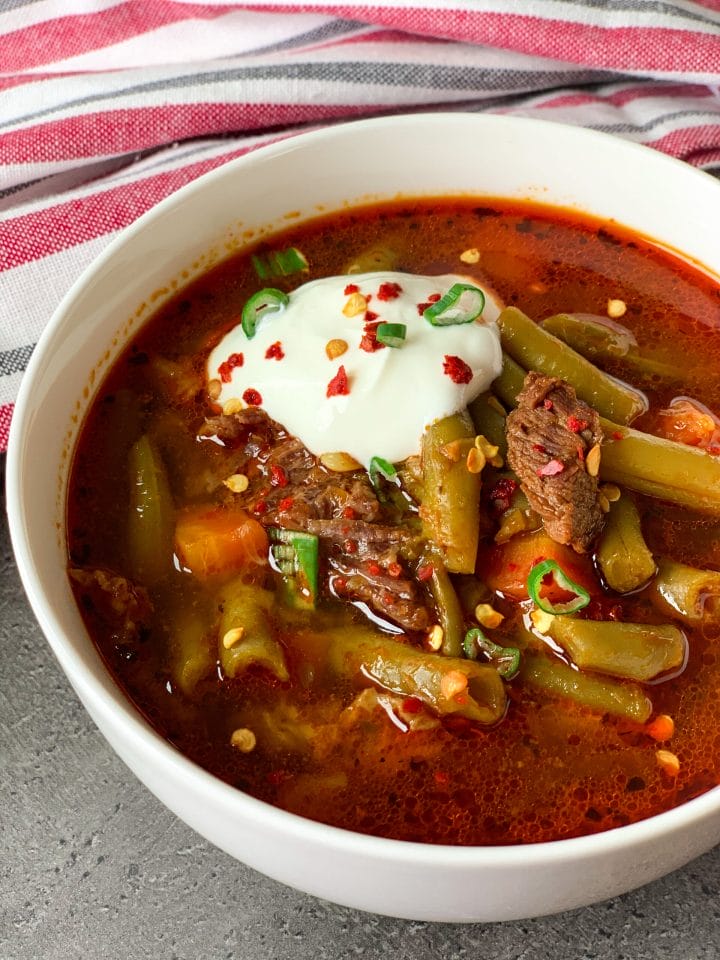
x=92, y=866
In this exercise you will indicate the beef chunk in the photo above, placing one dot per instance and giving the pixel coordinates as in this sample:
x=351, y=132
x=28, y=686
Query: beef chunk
x=549, y=438
x=121, y=606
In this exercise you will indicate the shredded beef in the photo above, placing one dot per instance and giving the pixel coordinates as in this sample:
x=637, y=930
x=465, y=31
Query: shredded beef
x=122, y=606
x=289, y=488
x=549, y=437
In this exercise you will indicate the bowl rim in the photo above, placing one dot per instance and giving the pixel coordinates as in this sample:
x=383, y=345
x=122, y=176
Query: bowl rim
x=120, y=713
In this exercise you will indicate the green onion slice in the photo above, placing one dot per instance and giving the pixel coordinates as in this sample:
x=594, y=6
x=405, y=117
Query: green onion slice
x=279, y=263
x=380, y=466
x=296, y=555
x=391, y=334
x=268, y=300
x=506, y=659
x=535, y=583
x=463, y=303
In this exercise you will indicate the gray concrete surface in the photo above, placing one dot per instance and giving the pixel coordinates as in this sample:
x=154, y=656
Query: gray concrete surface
x=92, y=866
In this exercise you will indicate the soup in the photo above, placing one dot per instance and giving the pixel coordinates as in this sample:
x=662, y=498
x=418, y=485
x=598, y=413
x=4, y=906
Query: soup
x=468, y=618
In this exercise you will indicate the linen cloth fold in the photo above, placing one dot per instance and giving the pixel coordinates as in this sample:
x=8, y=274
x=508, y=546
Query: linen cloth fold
x=108, y=106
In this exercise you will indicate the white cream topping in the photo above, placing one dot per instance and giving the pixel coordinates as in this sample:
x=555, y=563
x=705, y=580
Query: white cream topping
x=394, y=393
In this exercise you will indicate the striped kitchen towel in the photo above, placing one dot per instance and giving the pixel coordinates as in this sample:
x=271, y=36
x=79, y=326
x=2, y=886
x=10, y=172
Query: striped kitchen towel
x=107, y=106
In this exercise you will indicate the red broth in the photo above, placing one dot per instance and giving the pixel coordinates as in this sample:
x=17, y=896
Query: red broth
x=550, y=769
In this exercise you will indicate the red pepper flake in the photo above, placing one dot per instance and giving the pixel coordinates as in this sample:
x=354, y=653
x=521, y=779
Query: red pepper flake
x=348, y=513
x=351, y=288
x=374, y=569
x=388, y=599
x=412, y=705
x=350, y=546
x=370, y=317
x=394, y=569
x=575, y=425
x=278, y=477
x=389, y=291
x=339, y=584
x=252, y=397
x=225, y=369
x=369, y=342
x=618, y=436
x=548, y=404
x=502, y=493
x=285, y=504
x=581, y=453
x=260, y=507
x=512, y=566
x=713, y=449
x=425, y=572
x=551, y=469
x=338, y=386
x=434, y=297
x=457, y=369
x=422, y=307
x=275, y=351
x=539, y=447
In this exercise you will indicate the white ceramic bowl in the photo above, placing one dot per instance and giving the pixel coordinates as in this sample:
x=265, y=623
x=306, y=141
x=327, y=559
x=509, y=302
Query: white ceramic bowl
x=376, y=159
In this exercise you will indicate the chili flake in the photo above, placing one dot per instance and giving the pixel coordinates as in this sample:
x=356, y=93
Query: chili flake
x=370, y=317
x=539, y=447
x=575, y=425
x=275, y=351
x=369, y=341
x=457, y=369
x=394, y=569
x=338, y=386
x=374, y=569
x=225, y=369
x=548, y=404
x=551, y=468
x=425, y=572
x=617, y=435
x=252, y=397
x=434, y=297
x=260, y=507
x=278, y=477
x=351, y=288
x=348, y=513
x=389, y=291
x=285, y=504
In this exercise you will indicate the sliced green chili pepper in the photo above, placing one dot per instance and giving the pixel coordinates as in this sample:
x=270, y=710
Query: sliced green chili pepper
x=268, y=300
x=279, y=263
x=296, y=556
x=380, y=466
x=449, y=310
x=507, y=659
x=535, y=583
x=391, y=334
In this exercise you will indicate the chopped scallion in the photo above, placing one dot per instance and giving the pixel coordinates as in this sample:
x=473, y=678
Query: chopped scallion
x=535, y=583
x=506, y=659
x=279, y=263
x=379, y=466
x=268, y=300
x=463, y=303
x=391, y=334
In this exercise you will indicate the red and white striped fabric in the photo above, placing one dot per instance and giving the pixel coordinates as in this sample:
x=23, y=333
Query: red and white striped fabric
x=107, y=106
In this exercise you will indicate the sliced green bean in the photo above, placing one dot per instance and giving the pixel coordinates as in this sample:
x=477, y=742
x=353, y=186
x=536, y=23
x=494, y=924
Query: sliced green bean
x=622, y=554
x=151, y=522
x=536, y=349
x=660, y=468
x=633, y=651
x=447, y=605
x=686, y=592
x=451, y=504
x=510, y=382
x=598, y=694
x=599, y=339
x=489, y=419
x=247, y=609
x=447, y=685
x=192, y=656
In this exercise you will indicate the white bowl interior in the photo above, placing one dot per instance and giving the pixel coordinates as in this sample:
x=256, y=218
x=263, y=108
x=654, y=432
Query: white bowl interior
x=356, y=163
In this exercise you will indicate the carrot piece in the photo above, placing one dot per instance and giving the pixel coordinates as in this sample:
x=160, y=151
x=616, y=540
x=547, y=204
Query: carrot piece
x=212, y=541
x=505, y=567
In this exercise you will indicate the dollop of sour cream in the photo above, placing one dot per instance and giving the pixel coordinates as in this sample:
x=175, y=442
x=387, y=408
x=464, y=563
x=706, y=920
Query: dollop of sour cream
x=365, y=402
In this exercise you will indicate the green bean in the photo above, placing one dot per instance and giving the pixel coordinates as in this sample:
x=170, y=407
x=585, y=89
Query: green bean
x=622, y=554
x=536, y=349
x=599, y=339
x=150, y=525
x=686, y=592
x=373, y=259
x=660, y=468
x=598, y=694
x=191, y=654
x=247, y=608
x=633, y=651
x=510, y=382
x=447, y=685
x=489, y=419
x=451, y=505
x=447, y=605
